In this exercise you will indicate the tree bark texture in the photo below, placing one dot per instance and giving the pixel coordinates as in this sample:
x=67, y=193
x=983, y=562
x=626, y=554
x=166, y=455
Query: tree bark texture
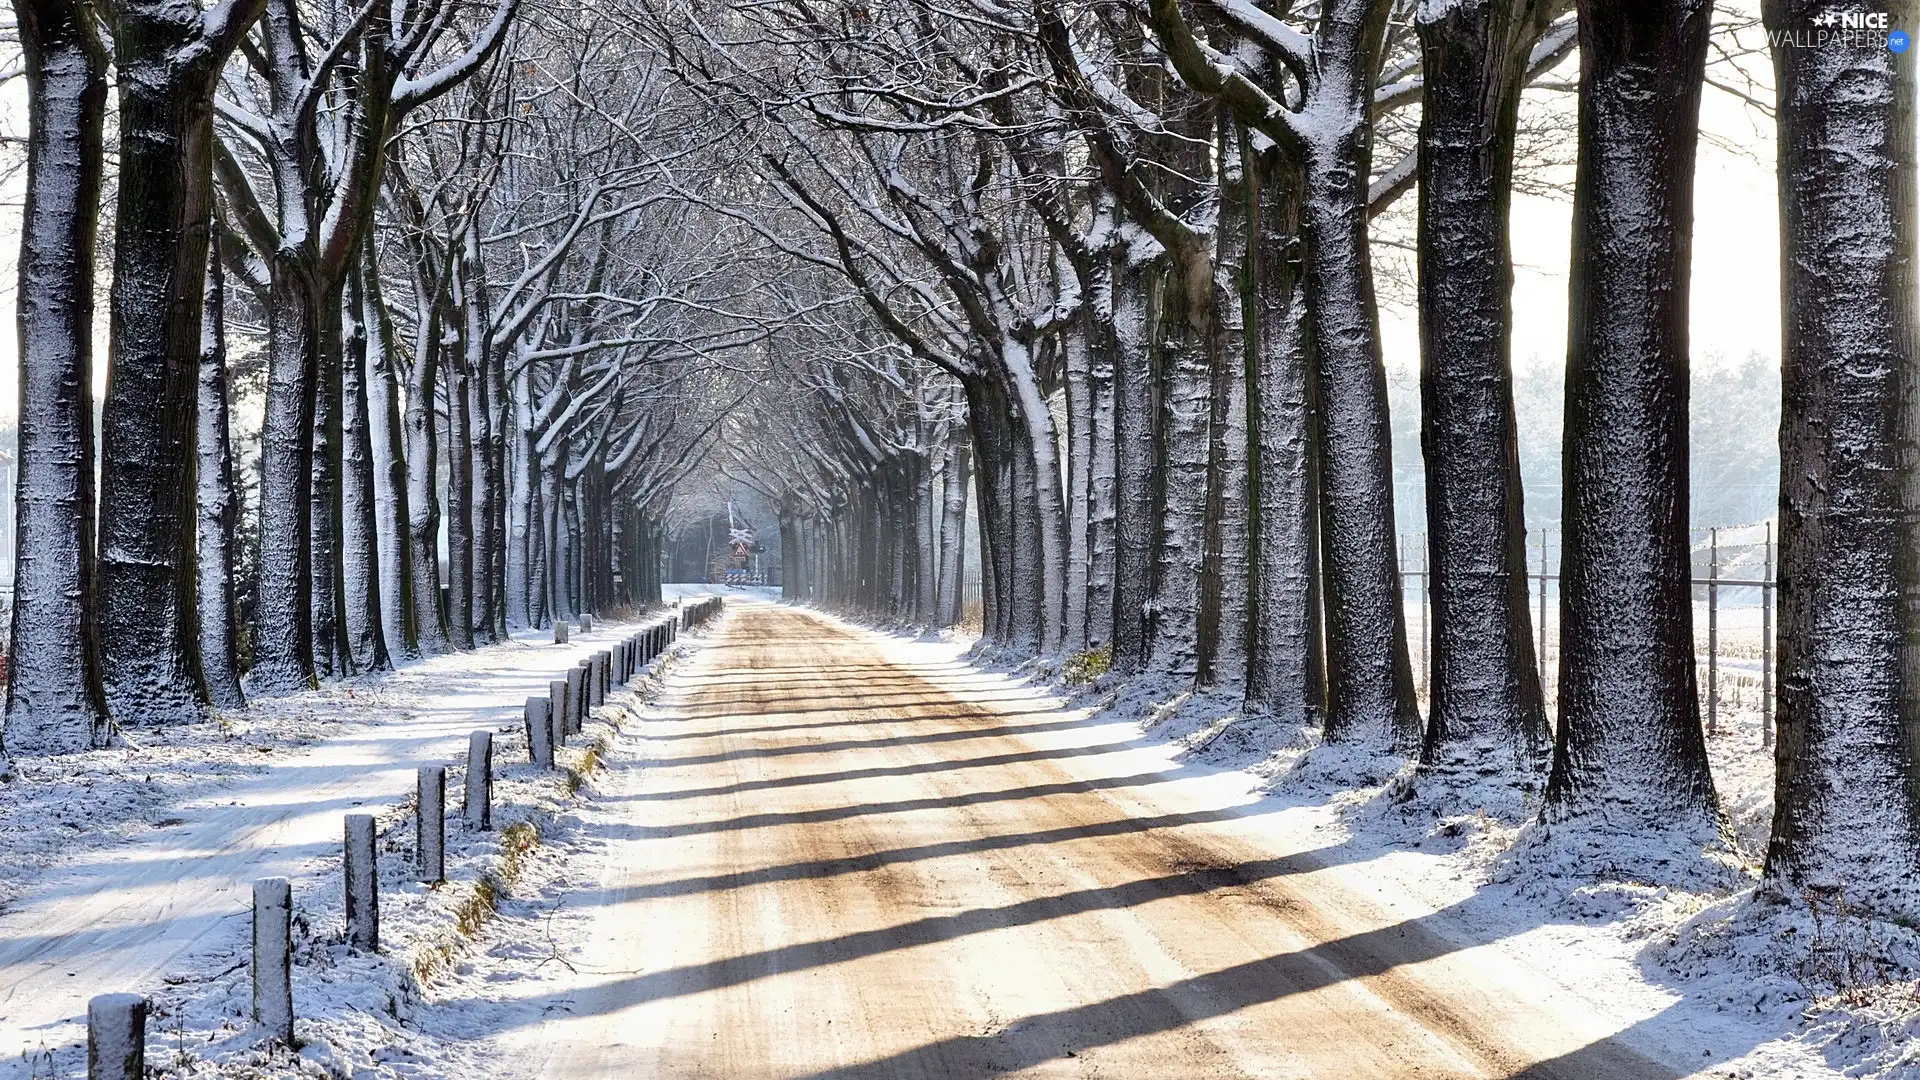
x=1629, y=746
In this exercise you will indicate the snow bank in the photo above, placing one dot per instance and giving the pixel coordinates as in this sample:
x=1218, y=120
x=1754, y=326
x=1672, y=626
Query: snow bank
x=352, y=1009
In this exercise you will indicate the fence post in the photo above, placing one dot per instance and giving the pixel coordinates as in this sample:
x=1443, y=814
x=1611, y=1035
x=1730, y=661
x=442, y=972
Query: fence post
x=539, y=719
x=576, y=698
x=480, y=780
x=363, y=884
x=1766, y=645
x=117, y=1037
x=1713, y=631
x=431, y=823
x=559, y=632
x=273, y=957
x=558, y=705
x=586, y=624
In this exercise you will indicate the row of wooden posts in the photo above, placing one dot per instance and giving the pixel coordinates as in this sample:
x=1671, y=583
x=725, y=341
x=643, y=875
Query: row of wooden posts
x=117, y=1023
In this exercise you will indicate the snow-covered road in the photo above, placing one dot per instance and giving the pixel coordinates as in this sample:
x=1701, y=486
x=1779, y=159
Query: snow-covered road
x=829, y=855
x=122, y=918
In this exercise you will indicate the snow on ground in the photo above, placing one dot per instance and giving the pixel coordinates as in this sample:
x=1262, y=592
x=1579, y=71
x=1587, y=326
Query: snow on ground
x=1690, y=958
x=1690, y=969
x=129, y=868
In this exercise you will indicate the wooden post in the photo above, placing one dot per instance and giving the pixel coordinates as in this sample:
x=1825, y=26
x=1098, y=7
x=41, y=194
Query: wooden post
x=539, y=716
x=559, y=632
x=117, y=1037
x=273, y=957
x=559, y=707
x=363, y=884
x=480, y=780
x=576, y=698
x=432, y=823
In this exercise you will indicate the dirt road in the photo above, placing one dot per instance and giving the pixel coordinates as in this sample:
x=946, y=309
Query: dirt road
x=831, y=865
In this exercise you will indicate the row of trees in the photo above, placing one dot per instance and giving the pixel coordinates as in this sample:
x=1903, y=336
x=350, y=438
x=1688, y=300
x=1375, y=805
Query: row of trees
x=1118, y=257
x=440, y=231
x=1094, y=281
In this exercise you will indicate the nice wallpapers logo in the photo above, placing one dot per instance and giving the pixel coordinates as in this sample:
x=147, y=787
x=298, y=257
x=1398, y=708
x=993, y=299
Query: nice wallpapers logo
x=1834, y=28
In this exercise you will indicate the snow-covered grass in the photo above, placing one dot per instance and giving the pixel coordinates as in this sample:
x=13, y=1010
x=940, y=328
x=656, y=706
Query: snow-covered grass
x=355, y=1013
x=67, y=823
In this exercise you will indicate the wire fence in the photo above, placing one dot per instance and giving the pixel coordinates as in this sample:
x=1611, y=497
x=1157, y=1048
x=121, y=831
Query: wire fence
x=1734, y=584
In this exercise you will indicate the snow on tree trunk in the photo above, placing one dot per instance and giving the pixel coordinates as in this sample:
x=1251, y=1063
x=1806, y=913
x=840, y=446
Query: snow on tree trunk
x=362, y=880
x=522, y=512
x=423, y=501
x=459, y=500
x=273, y=958
x=117, y=1037
x=1079, y=387
x=1629, y=748
x=282, y=633
x=55, y=703
x=216, y=506
x=1487, y=712
x=164, y=204
x=359, y=526
x=1846, y=817
x=325, y=554
x=397, y=612
x=1285, y=675
x=1137, y=458
x=1101, y=550
x=953, y=543
x=1224, y=606
x=1186, y=338
x=430, y=822
x=1370, y=695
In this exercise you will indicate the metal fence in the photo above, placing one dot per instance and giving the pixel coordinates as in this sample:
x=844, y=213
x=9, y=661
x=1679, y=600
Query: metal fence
x=1734, y=585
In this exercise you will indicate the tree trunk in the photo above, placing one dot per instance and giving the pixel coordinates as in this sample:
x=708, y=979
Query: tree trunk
x=1136, y=431
x=1629, y=747
x=1102, y=489
x=397, y=609
x=359, y=541
x=325, y=561
x=1079, y=386
x=1285, y=675
x=1487, y=710
x=1224, y=627
x=282, y=632
x=1369, y=678
x=460, y=502
x=953, y=543
x=422, y=496
x=217, y=506
x=163, y=206
x=1846, y=790
x=55, y=701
